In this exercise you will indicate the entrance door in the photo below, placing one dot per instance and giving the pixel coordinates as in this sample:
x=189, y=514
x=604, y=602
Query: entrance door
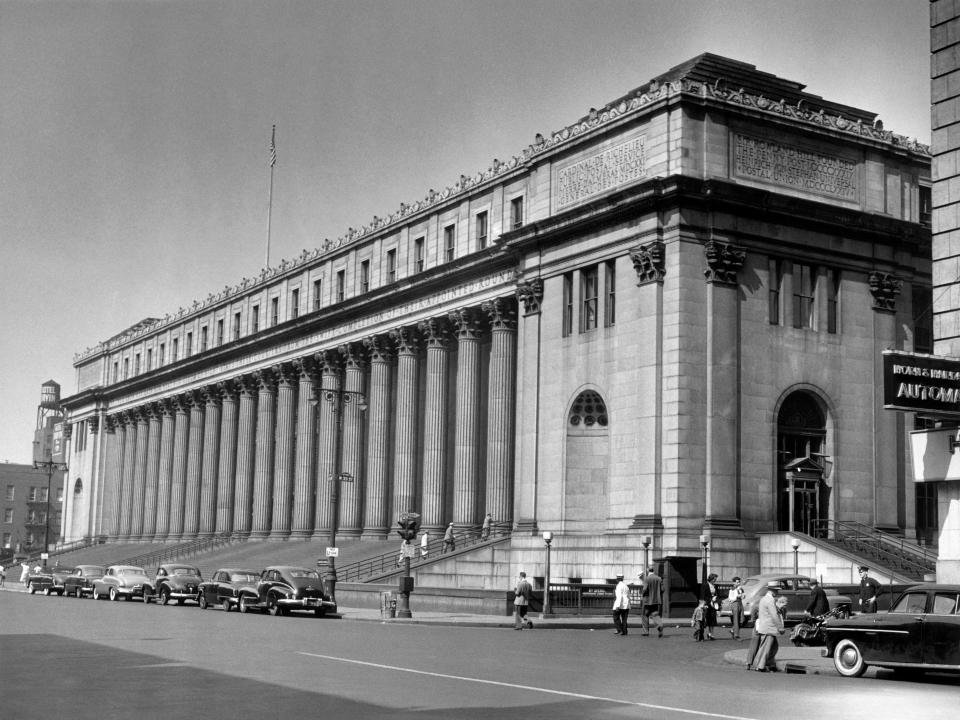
x=801, y=431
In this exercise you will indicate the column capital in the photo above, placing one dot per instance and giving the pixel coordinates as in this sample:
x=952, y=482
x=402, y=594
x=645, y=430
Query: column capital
x=94, y=424
x=466, y=324
x=329, y=362
x=228, y=390
x=211, y=395
x=649, y=262
x=266, y=380
x=724, y=262
x=502, y=313
x=354, y=355
x=530, y=293
x=285, y=374
x=166, y=406
x=435, y=331
x=246, y=384
x=406, y=340
x=379, y=348
x=884, y=287
x=306, y=367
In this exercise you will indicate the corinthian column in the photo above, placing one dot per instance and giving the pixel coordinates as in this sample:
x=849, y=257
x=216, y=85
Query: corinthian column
x=111, y=501
x=287, y=376
x=191, y=501
x=153, y=473
x=226, y=473
x=211, y=458
x=406, y=341
x=165, y=471
x=304, y=475
x=129, y=473
x=181, y=451
x=435, y=334
x=327, y=461
x=377, y=500
x=352, y=492
x=263, y=463
x=246, y=456
x=501, y=408
x=466, y=486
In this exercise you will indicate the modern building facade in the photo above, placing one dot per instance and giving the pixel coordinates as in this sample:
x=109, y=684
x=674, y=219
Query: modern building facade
x=663, y=320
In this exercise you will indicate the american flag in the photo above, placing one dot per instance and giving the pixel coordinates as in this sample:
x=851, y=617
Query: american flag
x=273, y=147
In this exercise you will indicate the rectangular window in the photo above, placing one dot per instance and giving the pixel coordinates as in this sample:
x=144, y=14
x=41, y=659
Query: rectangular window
x=126, y=368
x=32, y=495
x=236, y=326
x=254, y=319
x=149, y=359
x=136, y=363
x=392, y=265
x=295, y=303
x=6, y=541
x=418, y=262
x=188, y=351
x=922, y=300
x=481, y=230
x=341, y=285
x=203, y=339
x=567, y=304
x=774, y=278
x=516, y=213
x=162, y=355
x=833, y=300
x=588, y=299
x=175, y=350
x=317, y=289
x=220, y=331
x=11, y=491
x=926, y=205
x=610, y=304
x=116, y=371
x=8, y=515
x=274, y=311
x=804, y=287
x=450, y=242
x=365, y=276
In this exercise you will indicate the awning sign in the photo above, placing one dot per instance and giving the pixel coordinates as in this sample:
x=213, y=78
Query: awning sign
x=921, y=383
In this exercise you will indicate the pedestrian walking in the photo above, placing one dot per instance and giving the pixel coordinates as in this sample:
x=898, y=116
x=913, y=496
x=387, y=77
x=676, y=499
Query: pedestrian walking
x=424, y=543
x=403, y=552
x=708, y=593
x=521, y=601
x=652, y=598
x=735, y=596
x=449, y=543
x=3, y=575
x=621, y=606
x=485, y=528
x=24, y=572
x=770, y=627
x=818, y=604
x=869, y=591
x=698, y=621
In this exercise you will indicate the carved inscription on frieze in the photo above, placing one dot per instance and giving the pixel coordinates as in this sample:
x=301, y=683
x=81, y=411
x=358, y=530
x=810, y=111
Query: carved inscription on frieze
x=796, y=168
x=608, y=169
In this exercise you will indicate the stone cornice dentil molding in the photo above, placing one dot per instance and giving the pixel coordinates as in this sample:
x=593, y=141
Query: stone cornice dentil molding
x=884, y=287
x=635, y=103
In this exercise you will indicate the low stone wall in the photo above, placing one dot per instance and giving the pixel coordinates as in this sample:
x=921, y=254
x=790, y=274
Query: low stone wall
x=426, y=599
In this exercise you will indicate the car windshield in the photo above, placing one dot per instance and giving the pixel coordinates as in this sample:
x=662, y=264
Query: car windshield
x=308, y=574
x=185, y=571
x=131, y=571
x=244, y=577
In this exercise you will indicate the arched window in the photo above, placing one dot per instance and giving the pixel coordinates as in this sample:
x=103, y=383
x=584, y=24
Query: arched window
x=588, y=410
x=78, y=487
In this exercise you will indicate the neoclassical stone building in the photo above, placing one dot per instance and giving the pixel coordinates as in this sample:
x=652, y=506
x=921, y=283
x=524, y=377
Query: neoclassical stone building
x=664, y=320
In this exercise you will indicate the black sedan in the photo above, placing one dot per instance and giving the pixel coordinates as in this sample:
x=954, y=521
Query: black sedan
x=48, y=581
x=80, y=582
x=283, y=588
x=225, y=587
x=920, y=632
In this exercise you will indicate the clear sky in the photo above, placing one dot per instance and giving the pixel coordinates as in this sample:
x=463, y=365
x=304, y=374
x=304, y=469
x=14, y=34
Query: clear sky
x=134, y=175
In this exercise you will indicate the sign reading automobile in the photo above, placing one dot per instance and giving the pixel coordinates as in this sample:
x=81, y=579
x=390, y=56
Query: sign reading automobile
x=921, y=383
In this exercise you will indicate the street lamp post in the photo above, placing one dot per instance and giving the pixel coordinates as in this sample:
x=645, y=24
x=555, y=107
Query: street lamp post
x=646, y=554
x=338, y=399
x=795, y=544
x=705, y=544
x=49, y=466
x=547, y=610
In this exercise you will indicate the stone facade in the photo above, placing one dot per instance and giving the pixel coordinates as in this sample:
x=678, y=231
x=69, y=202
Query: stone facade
x=630, y=329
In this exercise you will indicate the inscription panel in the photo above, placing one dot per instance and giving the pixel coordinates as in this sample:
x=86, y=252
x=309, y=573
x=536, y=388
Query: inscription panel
x=774, y=162
x=600, y=172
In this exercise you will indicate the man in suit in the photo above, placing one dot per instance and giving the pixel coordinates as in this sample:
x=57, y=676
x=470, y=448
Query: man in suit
x=652, y=594
x=521, y=601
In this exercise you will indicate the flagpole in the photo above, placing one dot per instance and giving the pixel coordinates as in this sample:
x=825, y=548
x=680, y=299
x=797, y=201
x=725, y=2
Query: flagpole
x=273, y=161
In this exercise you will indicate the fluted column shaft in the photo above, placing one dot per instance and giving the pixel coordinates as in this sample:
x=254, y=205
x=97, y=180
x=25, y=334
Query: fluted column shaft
x=377, y=500
x=501, y=406
x=191, y=495
x=226, y=469
x=329, y=363
x=139, y=475
x=352, y=493
x=466, y=475
x=211, y=460
x=153, y=474
x=435, y=334
x=127, y=478
x=304, y=475
x=246, y=457
x=263, y=462
x=283, y=457
x=111, y=501
x=165, y=471
x=405, y=435
x=178, y=482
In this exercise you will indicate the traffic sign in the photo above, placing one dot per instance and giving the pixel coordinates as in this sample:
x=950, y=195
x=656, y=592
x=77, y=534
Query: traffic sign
x=333, y=552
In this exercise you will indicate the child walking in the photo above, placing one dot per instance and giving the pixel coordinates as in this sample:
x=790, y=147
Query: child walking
x=699, y=620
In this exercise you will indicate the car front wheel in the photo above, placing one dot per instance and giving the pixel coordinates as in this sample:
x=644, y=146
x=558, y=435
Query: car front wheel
x=244, y=607
x=848, y=660
x=202, y=601
x=164, y=596
x=273, y=607
x=96, y=594
x=225, y=605
x=113, y=594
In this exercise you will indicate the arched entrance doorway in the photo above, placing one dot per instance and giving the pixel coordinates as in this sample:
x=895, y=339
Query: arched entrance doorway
x=802, y=493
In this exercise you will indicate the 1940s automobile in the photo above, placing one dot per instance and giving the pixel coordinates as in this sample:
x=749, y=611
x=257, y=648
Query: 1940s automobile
x=176, y=581
x=80, y=582
x=796, y=590
x=283, y=588
x=225, y=587
x=126, y=581
x=48, y=580
x=920, y=632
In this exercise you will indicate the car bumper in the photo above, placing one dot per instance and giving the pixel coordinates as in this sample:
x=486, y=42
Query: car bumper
x=182, y=595
x=307, y=604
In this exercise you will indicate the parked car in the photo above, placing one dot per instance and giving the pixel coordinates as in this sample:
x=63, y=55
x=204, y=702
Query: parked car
x=48, y=580
x=126, y=581
x=176, y=581
x=920, y=632
x=225, y=587
x=281, y=589
x=795, y=588
x=80, y=582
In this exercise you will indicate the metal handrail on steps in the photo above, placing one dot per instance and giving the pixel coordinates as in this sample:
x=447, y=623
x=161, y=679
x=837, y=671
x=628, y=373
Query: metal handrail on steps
x=390, y=563
x=158, y=557
x=893, y=551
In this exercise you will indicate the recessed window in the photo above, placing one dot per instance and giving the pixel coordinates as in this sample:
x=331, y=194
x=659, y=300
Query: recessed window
x=418, y=260
x=392, y=265
x=274, y=311
x=450, y=242
x=567, y=304
x=175, y=350
x=775, y=280
x=255, y=319
x=481, y=230
x=295, y=303
x=149, y=359
x=162, y=355
x=341, y=285
x=236, y=326
x=136, y=364
x=516, y=212
x=833, y=301
x=317, y=291
x=116, y=371
x=610, y=293
x=220, y=331
x=804, y=296
x=203, y=339
x=189, y=348
x=589, y=291
x=365, y=276
x=588, y=410
x=126, y=368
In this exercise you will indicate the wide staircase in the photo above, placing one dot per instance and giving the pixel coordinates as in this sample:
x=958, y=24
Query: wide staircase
x=879, y=549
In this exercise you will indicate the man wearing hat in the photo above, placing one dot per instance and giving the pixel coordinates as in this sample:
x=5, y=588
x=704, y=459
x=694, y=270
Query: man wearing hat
x=769, y=626
x=869, y=591
x=818, y=604
x=621, y=606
